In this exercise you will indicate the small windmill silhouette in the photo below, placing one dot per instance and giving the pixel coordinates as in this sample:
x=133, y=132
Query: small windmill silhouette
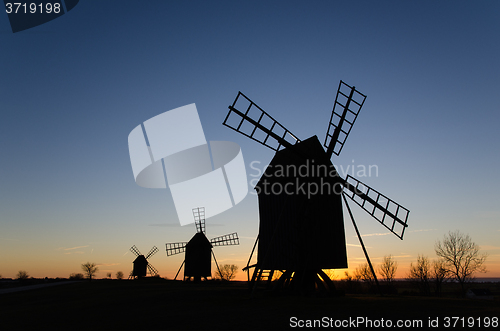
x=198, y=258
x=141, y=264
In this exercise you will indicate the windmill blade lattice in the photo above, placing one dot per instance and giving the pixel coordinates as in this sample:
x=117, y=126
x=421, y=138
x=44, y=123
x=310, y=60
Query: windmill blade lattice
x=343, y=117
x=389, y=213
x=152, y=270
x=226, y=240
x=199, y=219
x=175, y=248
x=247, y=118
x=152, y=252
x=134, y=250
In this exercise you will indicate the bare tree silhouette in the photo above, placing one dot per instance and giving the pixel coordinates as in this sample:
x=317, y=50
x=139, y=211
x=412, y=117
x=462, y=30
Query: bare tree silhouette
x=461, y=257
x=364, y=273
x=439, y=274
x=90, y=270
x=227, y=272
x=388, y=268
x=22, y=275
x=420, y=274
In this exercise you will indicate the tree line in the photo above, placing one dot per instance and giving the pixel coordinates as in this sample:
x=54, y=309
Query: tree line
x=458, y=259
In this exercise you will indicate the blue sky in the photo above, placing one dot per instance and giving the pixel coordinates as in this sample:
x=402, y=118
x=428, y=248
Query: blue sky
x=71, y=91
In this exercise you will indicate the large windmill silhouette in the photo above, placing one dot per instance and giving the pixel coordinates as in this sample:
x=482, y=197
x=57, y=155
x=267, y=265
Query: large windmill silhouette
x=198, y=258
x=301, y=229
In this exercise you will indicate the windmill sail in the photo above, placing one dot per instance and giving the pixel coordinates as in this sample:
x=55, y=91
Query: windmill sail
x=175, y=248
x=389, y=213
x=226, y=240
x=134, y=250
x=349, y=102
x=152, y=252
x=152, y=270
x=247, y=118
x=199, y=219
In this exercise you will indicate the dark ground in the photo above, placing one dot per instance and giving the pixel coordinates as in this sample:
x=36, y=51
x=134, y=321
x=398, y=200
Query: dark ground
x=174, y=305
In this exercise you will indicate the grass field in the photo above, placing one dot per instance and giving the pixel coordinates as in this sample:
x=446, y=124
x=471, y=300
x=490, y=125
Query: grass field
x=174, y=305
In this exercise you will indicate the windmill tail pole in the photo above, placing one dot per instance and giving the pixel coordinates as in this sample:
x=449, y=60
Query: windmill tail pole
x=179, y=269
x=220, y=273
x=363, y=245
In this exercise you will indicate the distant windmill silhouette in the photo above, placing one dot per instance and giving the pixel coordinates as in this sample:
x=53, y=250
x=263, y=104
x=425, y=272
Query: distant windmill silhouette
x=198, y=258
x=300, y=195
x=141, y=264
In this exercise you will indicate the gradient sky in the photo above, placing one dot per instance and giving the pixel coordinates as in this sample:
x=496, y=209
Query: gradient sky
x=71, y=91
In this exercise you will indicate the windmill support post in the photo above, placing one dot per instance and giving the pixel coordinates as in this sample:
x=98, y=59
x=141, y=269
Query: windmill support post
x=254, y=277
x=327, y=280
x=284, y=279
x=270, y=278
x=362, y=245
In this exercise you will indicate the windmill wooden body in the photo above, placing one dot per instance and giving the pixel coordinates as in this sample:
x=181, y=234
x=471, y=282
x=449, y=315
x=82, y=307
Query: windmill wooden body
x=310, y=232
x=141, y=264
x=301, y=229
x=198, y=257
x=198, y=251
